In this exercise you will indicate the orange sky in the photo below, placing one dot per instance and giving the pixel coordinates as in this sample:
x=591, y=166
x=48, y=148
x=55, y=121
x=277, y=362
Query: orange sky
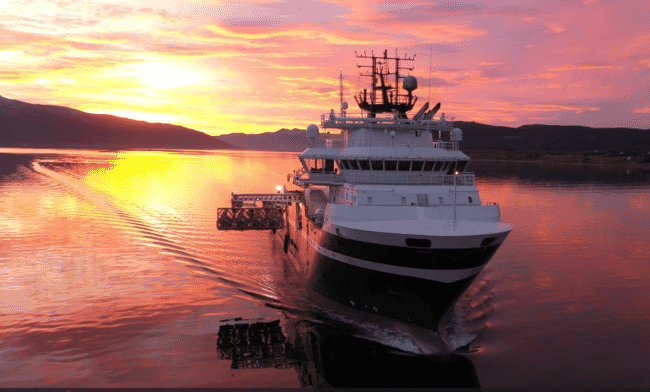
x=258, y=66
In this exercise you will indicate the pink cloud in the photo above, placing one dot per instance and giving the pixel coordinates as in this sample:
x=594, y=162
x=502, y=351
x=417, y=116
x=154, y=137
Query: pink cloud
x=554, y=28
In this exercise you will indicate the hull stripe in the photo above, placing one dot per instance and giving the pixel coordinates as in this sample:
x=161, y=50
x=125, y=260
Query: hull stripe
x=408, y=256
x=445, y=276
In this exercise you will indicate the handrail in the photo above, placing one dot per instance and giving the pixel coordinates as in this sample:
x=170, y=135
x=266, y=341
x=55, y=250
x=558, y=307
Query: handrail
x=372, y=178
x=329, y=120
x=446, y=145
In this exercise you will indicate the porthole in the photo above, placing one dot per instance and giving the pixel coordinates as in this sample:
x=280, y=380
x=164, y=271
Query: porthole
x=418, y=242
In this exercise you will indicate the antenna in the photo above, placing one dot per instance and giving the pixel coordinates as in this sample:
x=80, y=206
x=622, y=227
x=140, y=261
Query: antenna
x=430, y=55
x=341, y=90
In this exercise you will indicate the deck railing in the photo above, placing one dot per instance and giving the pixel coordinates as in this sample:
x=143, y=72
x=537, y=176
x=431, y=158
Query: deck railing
x=446, y=145
x=384, y=178
x=331, y=120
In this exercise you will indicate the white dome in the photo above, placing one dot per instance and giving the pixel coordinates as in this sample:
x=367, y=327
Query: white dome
x=410, y=83
x=312, y=131
x=456, y=135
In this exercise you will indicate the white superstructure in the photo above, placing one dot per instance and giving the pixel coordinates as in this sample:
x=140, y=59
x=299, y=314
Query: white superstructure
x=387, y=219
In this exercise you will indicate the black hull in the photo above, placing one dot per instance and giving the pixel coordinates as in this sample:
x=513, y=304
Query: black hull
x=411, y=299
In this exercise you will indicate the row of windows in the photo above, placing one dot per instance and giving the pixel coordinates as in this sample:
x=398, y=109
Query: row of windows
x=327, y=165
x=390, y=165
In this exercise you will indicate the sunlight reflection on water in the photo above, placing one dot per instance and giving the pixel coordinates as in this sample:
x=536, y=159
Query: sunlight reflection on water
x=115, y=275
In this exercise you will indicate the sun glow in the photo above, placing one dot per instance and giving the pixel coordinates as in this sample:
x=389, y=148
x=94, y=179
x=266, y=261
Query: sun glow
x=163, y=76
x=141, y=116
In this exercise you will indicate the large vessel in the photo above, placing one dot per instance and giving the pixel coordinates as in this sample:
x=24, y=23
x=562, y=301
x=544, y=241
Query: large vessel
x=382, y=217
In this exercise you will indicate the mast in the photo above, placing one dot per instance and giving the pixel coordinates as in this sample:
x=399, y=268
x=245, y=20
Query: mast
x=391, y=97
x=341, y=90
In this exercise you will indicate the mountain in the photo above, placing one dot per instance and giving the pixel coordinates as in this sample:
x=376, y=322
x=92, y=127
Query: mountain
x=282, y=140
x=534, y=137
x=25, y=124
x=538, y=137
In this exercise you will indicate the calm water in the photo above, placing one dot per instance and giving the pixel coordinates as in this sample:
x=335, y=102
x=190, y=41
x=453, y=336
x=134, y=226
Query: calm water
x=113, y=274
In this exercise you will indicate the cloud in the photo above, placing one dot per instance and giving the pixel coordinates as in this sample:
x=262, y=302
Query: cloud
x=554, y=28
x=580, y=67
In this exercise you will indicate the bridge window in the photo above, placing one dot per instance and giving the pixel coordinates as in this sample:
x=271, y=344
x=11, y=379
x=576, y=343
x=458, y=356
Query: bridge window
x=377, y=165
x=438, y=166
x=363, y=163
x=452, y=167
x=404, y=165
x=417, y=165
x=345, y=164
x=429, y=165
x=390, y=165
x=462, y=165
x=314, y=165
x=353, y=164
x=329, y=165
x=445, y=166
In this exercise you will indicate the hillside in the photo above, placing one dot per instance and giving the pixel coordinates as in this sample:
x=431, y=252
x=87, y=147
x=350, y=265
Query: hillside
x=25, y=124
x=282, y=140
x=539, y=137
x=481, y=136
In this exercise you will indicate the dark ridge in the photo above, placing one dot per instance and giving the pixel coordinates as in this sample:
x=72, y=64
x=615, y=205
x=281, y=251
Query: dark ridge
x=282, y=140
x=46, y=126
x=535, y=137
x=539, y=137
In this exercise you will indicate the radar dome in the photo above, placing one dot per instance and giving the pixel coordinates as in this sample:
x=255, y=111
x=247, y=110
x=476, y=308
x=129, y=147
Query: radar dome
x=312, y=131
x=456, y=135
x=345, y=105
x=410, y=83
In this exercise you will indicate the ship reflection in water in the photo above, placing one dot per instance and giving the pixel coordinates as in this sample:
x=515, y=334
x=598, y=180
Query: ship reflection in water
x=323, y=355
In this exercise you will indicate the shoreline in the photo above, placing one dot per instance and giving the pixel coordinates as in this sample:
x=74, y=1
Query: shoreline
x=590, y=159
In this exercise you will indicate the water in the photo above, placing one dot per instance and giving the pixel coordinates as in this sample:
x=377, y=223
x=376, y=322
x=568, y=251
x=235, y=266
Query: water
x=114, y=275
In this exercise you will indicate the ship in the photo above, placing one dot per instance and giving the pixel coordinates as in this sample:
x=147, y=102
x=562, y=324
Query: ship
x=382, y=216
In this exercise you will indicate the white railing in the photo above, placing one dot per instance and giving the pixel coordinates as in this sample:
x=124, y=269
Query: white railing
x=358, y=177
x=446, y=145
x=389, y=121
x=329, y=143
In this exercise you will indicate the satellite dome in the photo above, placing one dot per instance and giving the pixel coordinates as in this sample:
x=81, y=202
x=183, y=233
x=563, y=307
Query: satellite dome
x=456, y=135
x=345, y=105
x=410, y=83
x=312, y=131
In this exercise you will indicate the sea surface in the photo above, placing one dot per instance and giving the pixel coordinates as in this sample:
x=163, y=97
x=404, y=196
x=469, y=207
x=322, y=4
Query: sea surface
x=113, y=275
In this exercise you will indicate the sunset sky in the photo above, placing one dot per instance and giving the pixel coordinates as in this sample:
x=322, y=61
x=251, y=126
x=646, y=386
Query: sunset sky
x=258, y=66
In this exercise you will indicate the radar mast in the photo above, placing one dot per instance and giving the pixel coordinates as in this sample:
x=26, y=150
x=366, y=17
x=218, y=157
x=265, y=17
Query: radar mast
x=391, y=98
